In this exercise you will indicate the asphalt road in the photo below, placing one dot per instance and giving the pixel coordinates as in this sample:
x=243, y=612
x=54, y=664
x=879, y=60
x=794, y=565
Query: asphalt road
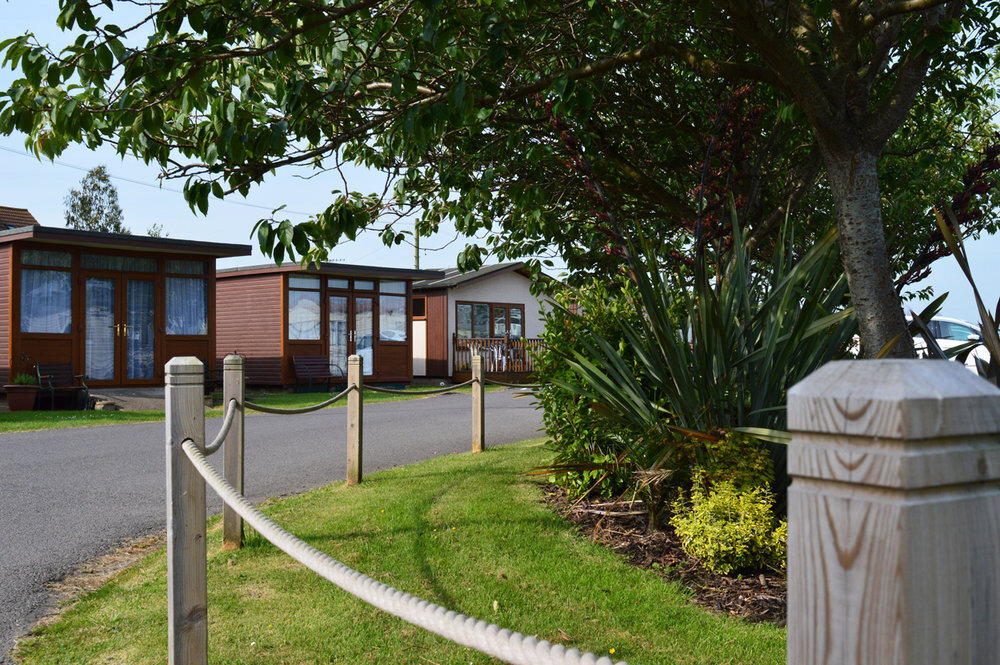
x=67, y=496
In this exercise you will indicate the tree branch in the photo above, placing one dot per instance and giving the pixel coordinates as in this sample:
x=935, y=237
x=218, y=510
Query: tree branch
x=702, y=65
x=909, y=80
x=796, y=79
x=896, y=8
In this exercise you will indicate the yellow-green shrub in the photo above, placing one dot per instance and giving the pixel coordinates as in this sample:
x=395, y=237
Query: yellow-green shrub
x=729, y=528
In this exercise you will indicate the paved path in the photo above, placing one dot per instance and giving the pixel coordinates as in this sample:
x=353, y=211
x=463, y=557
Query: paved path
x=67, y=496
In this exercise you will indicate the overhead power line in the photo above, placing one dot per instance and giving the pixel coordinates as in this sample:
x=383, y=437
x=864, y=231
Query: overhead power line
x=245, y=204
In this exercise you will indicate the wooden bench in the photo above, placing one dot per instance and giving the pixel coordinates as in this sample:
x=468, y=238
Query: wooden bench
x=313, y=370
x=59, y=379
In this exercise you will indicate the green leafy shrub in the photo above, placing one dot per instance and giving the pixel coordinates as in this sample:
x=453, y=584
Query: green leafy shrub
x=586, y=444
x=717, y=349
x=730, y=529
x=733, y=457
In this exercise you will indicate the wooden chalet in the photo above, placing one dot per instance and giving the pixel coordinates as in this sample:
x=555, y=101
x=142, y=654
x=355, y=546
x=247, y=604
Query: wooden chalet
x=489, y=312
x=271, y=314
x=116, y=307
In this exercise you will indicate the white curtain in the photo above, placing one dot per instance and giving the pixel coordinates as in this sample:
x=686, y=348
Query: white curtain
x=187, y=309
x=46, y=297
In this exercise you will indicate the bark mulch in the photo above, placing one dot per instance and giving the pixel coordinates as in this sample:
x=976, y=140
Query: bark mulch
x=756, y=597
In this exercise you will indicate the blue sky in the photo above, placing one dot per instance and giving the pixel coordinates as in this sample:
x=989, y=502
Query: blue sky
x=41, y=186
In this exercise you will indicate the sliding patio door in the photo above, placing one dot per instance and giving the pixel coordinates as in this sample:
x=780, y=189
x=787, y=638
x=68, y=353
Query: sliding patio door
x=119, y=334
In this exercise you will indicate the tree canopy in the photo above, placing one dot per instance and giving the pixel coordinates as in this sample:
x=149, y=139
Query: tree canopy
x=94, y=207
x=566, y=123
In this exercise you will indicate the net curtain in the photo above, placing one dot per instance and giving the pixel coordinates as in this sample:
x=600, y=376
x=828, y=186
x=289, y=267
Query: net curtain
x=46, y=297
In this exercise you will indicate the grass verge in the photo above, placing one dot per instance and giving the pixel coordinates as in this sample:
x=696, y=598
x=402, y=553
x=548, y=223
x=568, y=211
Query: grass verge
x=23, y=421
x=465, y=531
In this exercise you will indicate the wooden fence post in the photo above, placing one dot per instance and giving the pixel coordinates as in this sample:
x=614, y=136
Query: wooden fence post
x=187, y=589
x=894, y=515
x=478, y=406
x=355, y=418
x=233, y=447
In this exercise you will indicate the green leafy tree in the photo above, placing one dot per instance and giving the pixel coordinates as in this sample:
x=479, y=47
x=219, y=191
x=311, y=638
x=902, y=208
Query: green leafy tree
x=547, y=120
x=94, y=207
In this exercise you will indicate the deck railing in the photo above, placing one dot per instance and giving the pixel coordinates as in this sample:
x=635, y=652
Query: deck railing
x=510, y=358
x=893, y=519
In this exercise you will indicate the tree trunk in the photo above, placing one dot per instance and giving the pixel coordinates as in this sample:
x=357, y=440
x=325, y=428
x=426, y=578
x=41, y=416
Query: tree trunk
x=854, y=185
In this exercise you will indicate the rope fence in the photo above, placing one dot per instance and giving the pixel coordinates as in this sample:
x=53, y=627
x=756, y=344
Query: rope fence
x=494, y=382
x=227, y=423
x=433, y=391
x=303, y=409
x=470, y=632
x=188, y=471
x=915, y=453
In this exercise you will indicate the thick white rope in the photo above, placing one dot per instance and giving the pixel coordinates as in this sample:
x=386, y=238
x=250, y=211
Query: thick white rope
x=433, y=391
x=224, y=432
x=488, y=638
x=304, y=409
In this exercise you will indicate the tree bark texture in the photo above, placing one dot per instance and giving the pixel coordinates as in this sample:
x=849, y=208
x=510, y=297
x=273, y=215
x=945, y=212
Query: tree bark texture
x=854, y=185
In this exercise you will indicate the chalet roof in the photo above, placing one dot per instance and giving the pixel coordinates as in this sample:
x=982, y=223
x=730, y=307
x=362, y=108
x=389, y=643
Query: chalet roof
x=340, y=269
x=454, y=277
x=11, y=218
x=60, y=236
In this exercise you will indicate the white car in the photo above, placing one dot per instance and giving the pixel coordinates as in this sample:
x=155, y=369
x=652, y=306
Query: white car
x=949, y=333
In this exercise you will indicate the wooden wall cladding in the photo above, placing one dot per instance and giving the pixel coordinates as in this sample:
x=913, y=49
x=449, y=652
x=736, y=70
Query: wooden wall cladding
x=394, y=360
x=5, y=313
x=437, y=334
x=248, y=316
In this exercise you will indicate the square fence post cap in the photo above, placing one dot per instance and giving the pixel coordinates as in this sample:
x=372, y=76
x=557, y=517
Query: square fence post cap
x=232, y=360
x=184, y=365
x=894, y=399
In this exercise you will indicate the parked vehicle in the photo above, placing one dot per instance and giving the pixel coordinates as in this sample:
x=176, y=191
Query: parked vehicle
x=949, y=333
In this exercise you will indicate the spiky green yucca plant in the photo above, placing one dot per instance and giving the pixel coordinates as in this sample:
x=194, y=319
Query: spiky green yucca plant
x=750, y=332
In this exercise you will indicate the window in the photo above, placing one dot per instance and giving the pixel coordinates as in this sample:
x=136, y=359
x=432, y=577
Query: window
x=481, y=320
x=186, y=296
x=392, y=318
x=46, y=301
x=364, y=285
x=955, y=331
x=303, y=282
x=187, y=306
x=499, y=321
x=303, y=307
x=187, y=267
x=118, y=263
x=386, y=286
x=420, y=308
x=516, y=322
x=41, y=257
x=464, y=320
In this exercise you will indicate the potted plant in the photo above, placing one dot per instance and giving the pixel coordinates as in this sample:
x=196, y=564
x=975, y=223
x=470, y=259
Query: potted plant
x=22, y=392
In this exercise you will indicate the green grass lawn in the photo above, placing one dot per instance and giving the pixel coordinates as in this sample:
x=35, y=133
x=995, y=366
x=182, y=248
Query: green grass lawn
x=22, y=421
x=465, y=531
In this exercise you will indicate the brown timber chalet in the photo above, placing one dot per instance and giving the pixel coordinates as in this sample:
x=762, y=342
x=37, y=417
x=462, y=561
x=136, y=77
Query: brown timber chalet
x=271, y=314
x=116, y=307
